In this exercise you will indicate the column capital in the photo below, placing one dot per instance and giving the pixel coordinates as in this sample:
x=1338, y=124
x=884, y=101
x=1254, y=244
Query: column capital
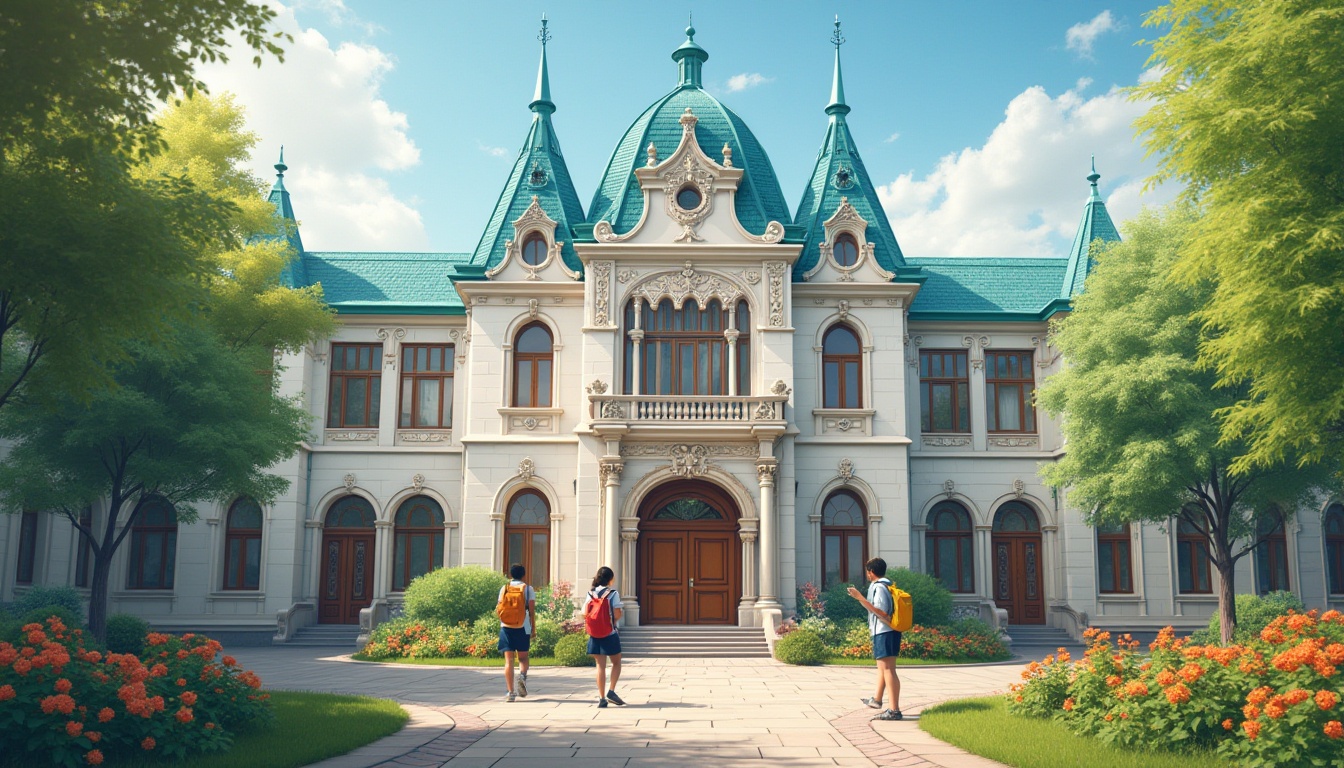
x=610, y=470
x=765, y=472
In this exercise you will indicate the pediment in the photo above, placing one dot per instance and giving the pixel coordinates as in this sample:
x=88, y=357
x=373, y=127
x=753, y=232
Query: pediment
x=846, y=221
x=534, y=222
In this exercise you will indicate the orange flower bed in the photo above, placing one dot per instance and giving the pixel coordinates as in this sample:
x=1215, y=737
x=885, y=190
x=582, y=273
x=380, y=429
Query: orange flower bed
x=1273, y=701
x=175, y=699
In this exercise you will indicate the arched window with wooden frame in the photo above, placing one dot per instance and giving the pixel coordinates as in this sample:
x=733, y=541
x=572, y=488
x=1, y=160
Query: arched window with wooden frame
x=845, y=250
x=533, y=366
x=842, y=368
x=527, y=536
x=948, y=546
x=153, y=545
x=1192, y=560
x=534, y=249
x=417, y=540
x=1333, y=522
x=844, y=539
x=687, y=351
x=1114, y=567
x=1271, y=555
x=242, y=545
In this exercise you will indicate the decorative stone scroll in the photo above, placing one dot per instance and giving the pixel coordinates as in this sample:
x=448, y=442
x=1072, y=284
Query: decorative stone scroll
x=949, y=488
x=765, y=473
x=423, y=437
x=601, y=293
x=349, y=481
x=610, y=470
x=845, y=470
x=527, y=469
x=1030, y=441
x=598, y=387
x=718, y=450
x=687, y=284
x=390, y=350
x=1019, y=488
x=936, y=441
x=359, y=436
x=690, y=460
x=912, y=345
x=776, y=271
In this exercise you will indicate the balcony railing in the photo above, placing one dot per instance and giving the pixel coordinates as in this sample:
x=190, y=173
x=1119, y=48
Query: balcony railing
x=663, y=409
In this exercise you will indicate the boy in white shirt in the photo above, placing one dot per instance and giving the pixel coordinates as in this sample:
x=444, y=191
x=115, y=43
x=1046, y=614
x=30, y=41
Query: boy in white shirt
x=517, y=611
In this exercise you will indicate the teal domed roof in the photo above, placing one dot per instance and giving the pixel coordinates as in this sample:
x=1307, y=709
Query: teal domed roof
x=619, y=200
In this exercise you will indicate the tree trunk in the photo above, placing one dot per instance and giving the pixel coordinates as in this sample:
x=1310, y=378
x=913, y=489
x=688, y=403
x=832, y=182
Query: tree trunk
x=1227, y=600
x=102, y=568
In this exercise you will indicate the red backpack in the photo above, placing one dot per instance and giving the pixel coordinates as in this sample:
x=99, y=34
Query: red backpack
x=599, y=617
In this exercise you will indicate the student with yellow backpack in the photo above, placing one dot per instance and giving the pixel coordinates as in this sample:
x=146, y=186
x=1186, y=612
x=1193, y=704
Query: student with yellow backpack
x=889, y=614
x=517, y=612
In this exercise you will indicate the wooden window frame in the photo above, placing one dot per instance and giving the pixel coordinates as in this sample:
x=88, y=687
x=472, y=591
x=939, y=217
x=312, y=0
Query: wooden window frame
x=412, y=375
x=845, y=238
x=27, y=559
x=1334, y=550
x=403, y=536
x=669, y=328
x=845, y=533
x=533, y=384
x=373, y=386
x=1188, y=548
x=242, y=536
x=842, y=362
x=1272, y=548
x=962, y=540
x=1115, y=541
x=1026, y=405
x=140, y=531
x=525, y=558
x=959, y=385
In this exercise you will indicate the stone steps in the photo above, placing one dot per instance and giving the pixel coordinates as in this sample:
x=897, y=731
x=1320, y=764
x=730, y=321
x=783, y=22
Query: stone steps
x=1040, y=636
x=326, y=636
x=694, y=642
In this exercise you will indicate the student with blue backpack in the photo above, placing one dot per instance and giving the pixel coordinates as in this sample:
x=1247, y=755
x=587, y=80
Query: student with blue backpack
x=601, y=611
x=882, y=623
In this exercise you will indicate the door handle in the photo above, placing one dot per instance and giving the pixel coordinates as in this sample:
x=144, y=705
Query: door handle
x=692, y=583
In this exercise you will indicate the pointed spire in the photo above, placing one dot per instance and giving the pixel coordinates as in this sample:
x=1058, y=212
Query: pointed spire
x=541, y=99
x=1096, y=224
x=837, y=107
x=1094, y=177
x=280, y=169
x=690, y=57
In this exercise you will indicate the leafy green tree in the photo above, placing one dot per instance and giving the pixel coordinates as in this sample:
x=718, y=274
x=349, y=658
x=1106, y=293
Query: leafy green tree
x=1248, y=115
x=1142, y=443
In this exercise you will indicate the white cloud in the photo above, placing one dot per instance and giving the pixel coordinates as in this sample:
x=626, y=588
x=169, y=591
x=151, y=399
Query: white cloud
x=492, y=151
x=341, y=137
x=1022, y=192
x=891, y=138
x=747, y=80
x=338, y=14
x=1082, y=35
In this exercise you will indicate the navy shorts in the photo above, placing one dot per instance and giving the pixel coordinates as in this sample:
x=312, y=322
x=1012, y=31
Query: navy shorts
x=604, y=646
x=514, y=639
x=886, y=644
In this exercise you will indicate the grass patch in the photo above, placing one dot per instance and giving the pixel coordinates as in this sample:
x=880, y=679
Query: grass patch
x=460, y=661
x=984, y=727
x=308, y=727
x=845, y=661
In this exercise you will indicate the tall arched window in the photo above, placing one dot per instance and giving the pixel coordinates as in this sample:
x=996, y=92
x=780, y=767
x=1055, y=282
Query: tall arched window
x=686, y=351
x=242, y=545
x=1334, y=547
x=1192, y=559
x=844, y=539
x=534, y=249
x=845, y=250
x=417, y=540
x=527, y=536
x=533, y=359
x=842, y=368
x=1271, y=555
x=1114, y=570
x=153, y=545
x=948, y=547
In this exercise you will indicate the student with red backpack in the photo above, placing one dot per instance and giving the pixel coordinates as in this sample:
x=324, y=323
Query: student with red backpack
x=601, y=611
x=885, y=620
x=517, y=612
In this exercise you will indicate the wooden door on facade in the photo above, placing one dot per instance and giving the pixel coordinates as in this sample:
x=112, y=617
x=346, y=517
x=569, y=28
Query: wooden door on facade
x=347, y=574
x=1017, y=572
x=689, y=557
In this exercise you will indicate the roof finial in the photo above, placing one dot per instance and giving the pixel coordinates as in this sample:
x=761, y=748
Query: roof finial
x=280, y=167
x=541, y=100
x=837, y=105
x=690, y=57
x=690, y=25
x=1093, y=177
x=837, y=38
x=544, y=36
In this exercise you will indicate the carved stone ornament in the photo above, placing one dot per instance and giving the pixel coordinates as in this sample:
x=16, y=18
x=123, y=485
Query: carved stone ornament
x=780, y=388
x=1019, y=488
x=844, y=425
x=613, y=409
x=690, y=172
x=1013, y=442
x=598, y=387
x=418, y=482
x=776, y=270
x=721, y=450
x=527, y=469
x=626, y=275
x=843, y=306
x=727, y=155
x=949, y=488
x=601, y=293
x=765, y=473
x=393, y=335
x=1043, y=357
x=688, y=284
x=349, y=481
x=912, y=345
x=690, y=460
x=764, y=412
x=533, y=307
x=652, y=154
x=423, y=437
x=752, y=276
x=610, y=470
x=845, y=470
x=534, y=219
x=977, y=345
x=530, y=423
x=935, y=441
x=360, y=436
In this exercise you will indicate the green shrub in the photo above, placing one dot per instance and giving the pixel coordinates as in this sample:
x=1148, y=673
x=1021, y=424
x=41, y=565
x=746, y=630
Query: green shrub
x=572, y=651
x=404, y=638
x=1254, y=613
x=930, y=599
x=126, y=633
x=972, y=627
x=802, y=648
x=840, y=607
x=43, y=597
x=448, y=596
x=71, y=619
x=483, y=641
x=556, y=602
x=548, y=634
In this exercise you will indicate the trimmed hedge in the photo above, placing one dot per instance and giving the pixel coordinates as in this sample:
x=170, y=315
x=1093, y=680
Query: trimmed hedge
x=572, y=651
x=126, y=633
x=802, y=648
x=447, y=596
x=1254, y=613
x=46, y=597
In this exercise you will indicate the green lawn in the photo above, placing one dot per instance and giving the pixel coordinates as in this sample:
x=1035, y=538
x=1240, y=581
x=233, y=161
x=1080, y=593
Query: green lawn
x=308, y=727
x=459, y=661
x=984, y=727
x=843, y=661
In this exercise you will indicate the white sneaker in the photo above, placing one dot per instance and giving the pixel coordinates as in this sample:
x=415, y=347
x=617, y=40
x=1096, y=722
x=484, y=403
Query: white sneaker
x=522, y=686
x=510, y=697
x=871, y=703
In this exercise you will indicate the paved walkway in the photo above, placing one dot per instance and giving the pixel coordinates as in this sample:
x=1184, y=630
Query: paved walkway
x=681, y=713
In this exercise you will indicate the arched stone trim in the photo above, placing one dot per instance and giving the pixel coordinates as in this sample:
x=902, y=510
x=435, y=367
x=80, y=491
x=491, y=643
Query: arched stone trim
x=389, y=513
x=534, y=220
x=866, y=348
x=854, y=323
x=846, y=220
x=219, y=530
x=1053, y=586
x=691, y=282
x=872, y=509
x=324, y=504
x=978, y=517
x=499, y=508
x=516, y=324
x=746, y=503
x=1042, y=510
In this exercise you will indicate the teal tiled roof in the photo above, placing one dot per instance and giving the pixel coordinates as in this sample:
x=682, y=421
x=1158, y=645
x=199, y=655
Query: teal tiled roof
x=1095, y=225
x=988, y=288
x=386, y=283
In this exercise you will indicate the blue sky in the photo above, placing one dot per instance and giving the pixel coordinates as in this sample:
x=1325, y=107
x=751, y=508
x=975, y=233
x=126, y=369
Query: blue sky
x=401, y=120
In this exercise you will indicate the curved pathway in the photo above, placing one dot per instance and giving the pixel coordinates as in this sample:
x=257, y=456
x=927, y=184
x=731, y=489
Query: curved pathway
x=680, y=713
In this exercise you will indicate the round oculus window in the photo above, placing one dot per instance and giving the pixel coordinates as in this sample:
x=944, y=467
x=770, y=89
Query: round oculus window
x=846, y=251
x=688, y=198
x=534, y=250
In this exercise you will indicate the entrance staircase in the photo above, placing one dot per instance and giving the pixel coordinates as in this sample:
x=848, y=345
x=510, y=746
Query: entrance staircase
x=1036, y=640
x=694, y=642
x=341, y=636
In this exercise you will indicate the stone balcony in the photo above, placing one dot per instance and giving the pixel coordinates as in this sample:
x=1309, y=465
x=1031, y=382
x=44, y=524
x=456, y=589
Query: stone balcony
x=723, y=414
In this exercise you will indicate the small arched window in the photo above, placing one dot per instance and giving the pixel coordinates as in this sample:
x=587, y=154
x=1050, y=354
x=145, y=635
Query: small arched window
x=844, y=539
x=417, y=540
x=534, y=249
x=845, y=250
x=350, y=512
x=842, y=369
x=533, y=359
x=948, y=547
x=153, y=545
x=1271, y=555
x=1192, y=559
x=527, y=536
x=1016, y=517
x=1334, y=547
x=242, y=545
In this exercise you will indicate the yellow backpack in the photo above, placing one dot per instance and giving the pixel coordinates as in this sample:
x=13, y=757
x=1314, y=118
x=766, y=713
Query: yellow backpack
x=903, y=609
x=512, y=608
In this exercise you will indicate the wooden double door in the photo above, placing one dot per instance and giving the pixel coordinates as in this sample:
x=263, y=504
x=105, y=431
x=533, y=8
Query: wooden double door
x=1018, y=584
x=689, y=557
x=347, y=575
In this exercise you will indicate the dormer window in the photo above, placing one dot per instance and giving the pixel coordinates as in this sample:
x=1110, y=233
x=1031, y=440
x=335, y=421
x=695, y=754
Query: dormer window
x=688, y=198
x=846, y=250
x=534, y=250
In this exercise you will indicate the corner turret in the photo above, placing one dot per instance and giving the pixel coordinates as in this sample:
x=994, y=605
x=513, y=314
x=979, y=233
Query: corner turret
x=1095, y=225
x=287, y=227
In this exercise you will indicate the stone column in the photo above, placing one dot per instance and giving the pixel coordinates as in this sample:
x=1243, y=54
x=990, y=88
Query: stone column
x=984, y=562
x=629, y=541
x=497, y=541
x=610, y=470
x=731, y=336
x=382, y=558
x=769, y=584
x=745, y=611
x=637, y=351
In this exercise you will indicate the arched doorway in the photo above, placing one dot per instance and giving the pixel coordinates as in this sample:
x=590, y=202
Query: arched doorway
x=347, y=561
x=689, y=567
x=1016, y=542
